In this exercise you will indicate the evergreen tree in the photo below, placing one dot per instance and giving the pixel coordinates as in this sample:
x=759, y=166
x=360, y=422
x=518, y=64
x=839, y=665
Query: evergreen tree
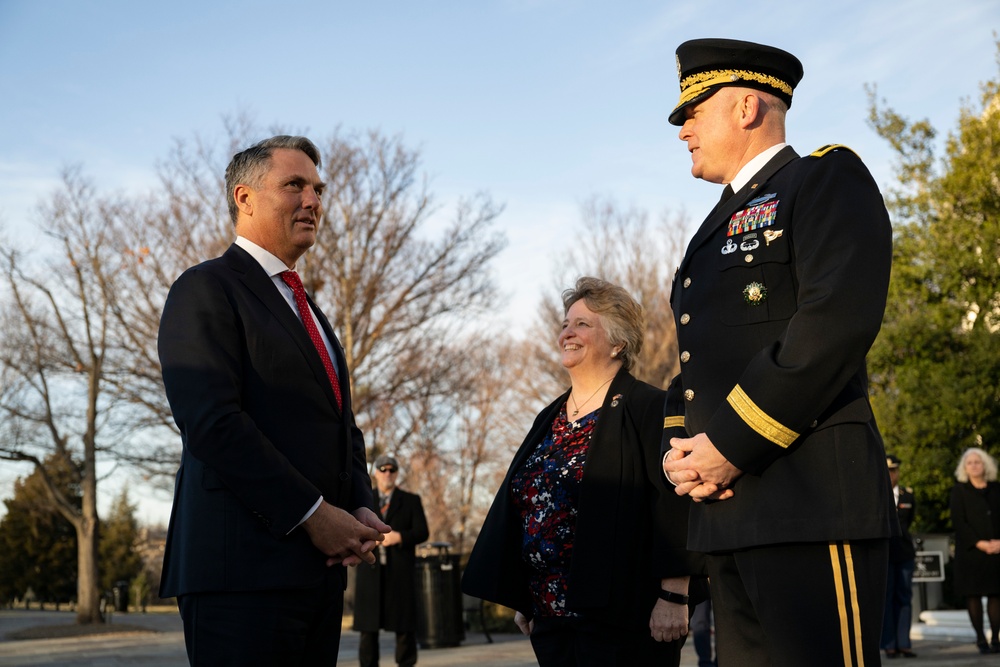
x=38, y=547
x=119, y=560
x=935, y=367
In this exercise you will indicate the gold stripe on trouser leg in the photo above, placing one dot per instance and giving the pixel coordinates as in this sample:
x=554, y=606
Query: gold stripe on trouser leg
x=838, y=582
x=849, y=559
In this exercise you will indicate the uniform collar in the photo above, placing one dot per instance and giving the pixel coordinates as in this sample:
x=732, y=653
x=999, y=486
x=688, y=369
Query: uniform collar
x=744, y=175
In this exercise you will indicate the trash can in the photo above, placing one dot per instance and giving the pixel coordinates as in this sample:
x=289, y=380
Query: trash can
x=439, y=598
x=119, y=593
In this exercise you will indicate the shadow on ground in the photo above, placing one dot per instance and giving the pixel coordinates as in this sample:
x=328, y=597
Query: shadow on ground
x=61, y=631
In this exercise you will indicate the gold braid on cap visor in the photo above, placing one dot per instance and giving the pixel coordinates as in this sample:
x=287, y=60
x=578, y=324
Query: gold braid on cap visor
x=696, y=84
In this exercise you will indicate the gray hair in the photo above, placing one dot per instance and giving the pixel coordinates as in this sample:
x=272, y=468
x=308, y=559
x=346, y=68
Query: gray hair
x=622, y=316
x=249, y=165
x=989, y=464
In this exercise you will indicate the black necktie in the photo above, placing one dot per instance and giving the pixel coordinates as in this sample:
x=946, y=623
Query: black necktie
x=726, y=193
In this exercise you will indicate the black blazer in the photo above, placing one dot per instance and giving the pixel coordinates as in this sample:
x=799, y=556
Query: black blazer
x=263, y=438
x=975, y=515
x=630, y=530
x=773, y=325
x=392, y=586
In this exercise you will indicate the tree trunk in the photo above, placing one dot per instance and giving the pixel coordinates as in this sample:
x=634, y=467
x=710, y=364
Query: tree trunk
x=87, y=587
x=88, y=594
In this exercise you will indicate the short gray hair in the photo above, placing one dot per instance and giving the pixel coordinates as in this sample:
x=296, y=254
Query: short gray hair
x=623, y=317
x=989, y=463
x=249, y=165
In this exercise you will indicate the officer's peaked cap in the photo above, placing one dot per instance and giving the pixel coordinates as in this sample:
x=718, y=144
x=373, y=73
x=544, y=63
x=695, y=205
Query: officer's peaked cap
x=705, y=65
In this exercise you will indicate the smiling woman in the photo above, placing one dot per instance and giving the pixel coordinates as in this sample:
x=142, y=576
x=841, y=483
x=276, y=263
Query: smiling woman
x=591, y=461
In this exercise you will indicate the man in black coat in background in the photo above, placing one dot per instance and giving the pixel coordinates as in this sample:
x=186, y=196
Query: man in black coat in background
x=385, y=594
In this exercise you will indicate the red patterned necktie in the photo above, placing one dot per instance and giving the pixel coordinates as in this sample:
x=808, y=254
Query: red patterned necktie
x=292, y=279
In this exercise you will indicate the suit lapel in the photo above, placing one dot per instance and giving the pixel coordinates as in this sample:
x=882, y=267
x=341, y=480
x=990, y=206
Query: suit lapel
x=610, y=423
x=260, y=285
x=724, y=211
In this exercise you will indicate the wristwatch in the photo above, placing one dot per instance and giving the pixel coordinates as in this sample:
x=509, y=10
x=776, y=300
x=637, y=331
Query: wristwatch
x=676, y=598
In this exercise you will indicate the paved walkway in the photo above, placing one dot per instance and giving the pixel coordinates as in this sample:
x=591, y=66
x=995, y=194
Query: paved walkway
x=165, y=648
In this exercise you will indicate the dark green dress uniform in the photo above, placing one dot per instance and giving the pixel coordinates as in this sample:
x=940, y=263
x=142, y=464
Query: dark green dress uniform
x=777, y=301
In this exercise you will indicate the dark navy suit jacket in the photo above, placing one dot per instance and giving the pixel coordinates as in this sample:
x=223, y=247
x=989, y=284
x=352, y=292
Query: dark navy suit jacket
x=263, y=437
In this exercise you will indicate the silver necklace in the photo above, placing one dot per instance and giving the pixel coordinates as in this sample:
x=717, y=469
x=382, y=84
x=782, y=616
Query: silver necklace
x=576, y=407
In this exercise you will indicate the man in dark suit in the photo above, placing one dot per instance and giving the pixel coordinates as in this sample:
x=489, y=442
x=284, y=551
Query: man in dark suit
x=385, y=591
x=777, y=300
x=902, y=561
x=272, y=497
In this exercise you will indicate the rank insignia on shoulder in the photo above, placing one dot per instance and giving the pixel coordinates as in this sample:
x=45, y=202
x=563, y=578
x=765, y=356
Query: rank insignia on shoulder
x=755, y=293
x=752, y=218
x=829, y=148
x=772, y=234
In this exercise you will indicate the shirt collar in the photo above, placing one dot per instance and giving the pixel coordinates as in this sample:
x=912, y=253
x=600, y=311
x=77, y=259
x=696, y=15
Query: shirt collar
x=269, y=262
x=744, y=175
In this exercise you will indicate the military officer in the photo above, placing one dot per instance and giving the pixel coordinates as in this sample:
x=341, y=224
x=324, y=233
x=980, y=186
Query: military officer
x=768, y=426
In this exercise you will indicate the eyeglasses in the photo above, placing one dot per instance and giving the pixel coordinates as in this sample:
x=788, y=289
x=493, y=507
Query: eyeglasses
x=388, y=469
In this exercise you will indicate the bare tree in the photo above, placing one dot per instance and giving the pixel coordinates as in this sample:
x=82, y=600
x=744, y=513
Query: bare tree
x=78, y=364
x=458, y=470
x=396, y=291
x=619, y=245
x=62, y=358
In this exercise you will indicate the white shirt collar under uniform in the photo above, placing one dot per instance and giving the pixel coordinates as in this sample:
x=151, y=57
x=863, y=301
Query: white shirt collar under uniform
x=748, y=171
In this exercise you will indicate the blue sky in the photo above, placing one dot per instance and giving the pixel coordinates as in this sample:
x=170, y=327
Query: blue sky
x=541, y=103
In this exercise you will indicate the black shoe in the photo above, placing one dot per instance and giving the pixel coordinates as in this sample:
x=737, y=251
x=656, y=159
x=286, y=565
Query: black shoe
x=907, y=653
x=891, y=654
x=983, y=647
x=995, y=646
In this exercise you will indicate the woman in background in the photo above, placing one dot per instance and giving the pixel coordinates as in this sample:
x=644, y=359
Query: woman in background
x=583, y=539
x=975, y=514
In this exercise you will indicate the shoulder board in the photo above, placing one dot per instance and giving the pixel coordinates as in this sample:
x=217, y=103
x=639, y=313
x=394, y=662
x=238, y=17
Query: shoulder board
x=820, y=152
x=909, y=489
